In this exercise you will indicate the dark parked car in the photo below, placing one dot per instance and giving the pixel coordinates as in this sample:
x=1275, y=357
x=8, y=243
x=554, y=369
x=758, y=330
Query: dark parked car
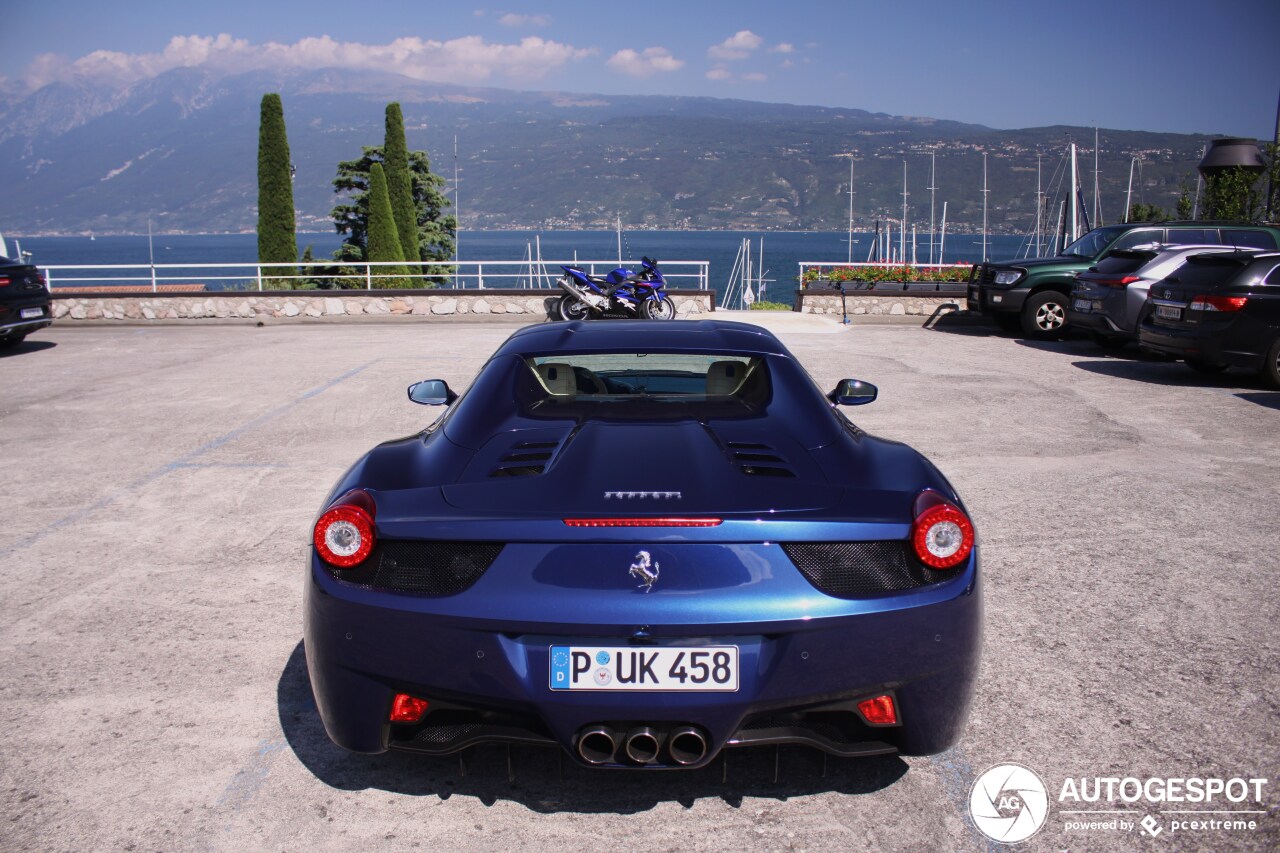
x=1109, y=299
x=643, y=543
x=1220, y=311
x=1034, y=294
x=24, y=302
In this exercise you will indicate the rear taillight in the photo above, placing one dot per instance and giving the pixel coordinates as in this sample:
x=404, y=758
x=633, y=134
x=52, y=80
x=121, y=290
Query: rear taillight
x=1218, y=303
x=344, y=535
x=3, y=281
x=942, y=535
x=408, y=709
x=1117, y=282
x=879, y=711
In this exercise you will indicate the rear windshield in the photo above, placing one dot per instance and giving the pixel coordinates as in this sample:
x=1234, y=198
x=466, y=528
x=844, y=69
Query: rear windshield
x=657, y=377
x=1208, y=270
x=1124, y=262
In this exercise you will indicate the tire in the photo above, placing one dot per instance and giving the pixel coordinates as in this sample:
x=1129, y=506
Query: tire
x=572, y=308
x=1205, y=366
x=658, y=309
x=1271, y=366
x=1044, y=316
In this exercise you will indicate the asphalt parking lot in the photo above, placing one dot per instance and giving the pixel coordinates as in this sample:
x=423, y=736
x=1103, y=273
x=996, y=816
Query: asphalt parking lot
x=161, y=482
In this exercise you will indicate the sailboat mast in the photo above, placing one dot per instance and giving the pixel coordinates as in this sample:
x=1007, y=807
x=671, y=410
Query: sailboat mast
x=1096, y=220
x=1073, y=230
x=984, y=206
x=902, y=237
x=933, y=187
x=1039, y=206
x=851, y=208
x=1128, y=196
x=942, y=242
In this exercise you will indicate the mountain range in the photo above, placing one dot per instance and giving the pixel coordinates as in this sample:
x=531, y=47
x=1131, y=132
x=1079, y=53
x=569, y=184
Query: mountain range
x=180, y=149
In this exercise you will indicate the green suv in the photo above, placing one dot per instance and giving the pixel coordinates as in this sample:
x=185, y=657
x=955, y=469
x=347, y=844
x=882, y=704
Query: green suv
x=1032, y=295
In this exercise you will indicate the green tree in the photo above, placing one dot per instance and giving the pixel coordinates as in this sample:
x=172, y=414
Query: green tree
x=1141, y=212
x=436, y=228
x=384, y=242
x=1234, y=194
x=395, y=161
x=277, y=241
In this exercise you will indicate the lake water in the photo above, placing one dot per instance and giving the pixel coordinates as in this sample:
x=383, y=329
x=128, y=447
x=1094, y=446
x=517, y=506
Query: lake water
x=783, y=251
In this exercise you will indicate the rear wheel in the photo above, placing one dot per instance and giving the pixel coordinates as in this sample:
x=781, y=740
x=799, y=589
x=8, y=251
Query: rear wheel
x=1044, y=316
x=572, y=308
x=1205, y=366
x=1271, y=365
x=658, y=309
x=12, y=340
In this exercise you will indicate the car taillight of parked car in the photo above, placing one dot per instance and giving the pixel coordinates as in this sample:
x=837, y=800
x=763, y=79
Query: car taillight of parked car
x=1123, y=281
x=942, y=535
x=1218, y=303
x=3, y=281
x=344, y=534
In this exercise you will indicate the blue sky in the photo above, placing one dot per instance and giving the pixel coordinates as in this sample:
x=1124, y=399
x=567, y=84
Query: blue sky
x=1191, y=67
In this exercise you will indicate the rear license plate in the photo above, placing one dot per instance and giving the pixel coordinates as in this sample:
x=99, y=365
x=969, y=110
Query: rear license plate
x=31, y=313
x=667, y=668
x=1083, y=305
x=1168, y=312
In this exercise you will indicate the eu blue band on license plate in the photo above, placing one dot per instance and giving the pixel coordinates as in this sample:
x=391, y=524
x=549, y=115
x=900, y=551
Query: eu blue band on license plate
x=661, y=668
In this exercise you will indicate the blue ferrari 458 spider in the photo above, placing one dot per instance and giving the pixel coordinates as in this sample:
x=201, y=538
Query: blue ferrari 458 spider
x=644, y=543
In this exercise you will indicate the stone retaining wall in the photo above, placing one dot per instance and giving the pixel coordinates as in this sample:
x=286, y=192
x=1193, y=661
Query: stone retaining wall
x=310, y=304
x=885, y=304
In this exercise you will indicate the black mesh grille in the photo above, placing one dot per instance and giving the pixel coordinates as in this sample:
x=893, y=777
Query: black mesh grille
x=853, y=569
x=428, y=568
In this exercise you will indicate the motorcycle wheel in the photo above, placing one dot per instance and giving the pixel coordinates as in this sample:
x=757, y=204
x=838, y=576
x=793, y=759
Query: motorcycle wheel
x=572, y=308
x=658, y=309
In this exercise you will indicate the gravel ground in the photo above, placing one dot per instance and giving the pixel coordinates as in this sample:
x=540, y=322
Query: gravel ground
x=160, y=486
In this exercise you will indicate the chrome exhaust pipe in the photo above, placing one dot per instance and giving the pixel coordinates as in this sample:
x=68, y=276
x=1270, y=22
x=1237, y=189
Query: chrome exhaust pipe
x=687, y=745
x=591, y=299
x=642, y=745
x=596, y=745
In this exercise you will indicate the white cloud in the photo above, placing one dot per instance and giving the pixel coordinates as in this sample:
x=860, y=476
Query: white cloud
x=511, y=19
x=469, y=59
x=755, y=77
x=719, y=73
x=737, y=46
x=646, y=63
x=784, y=47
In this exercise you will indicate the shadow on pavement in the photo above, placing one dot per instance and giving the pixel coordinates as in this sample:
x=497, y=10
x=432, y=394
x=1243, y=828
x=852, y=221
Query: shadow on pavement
x=26, y=347
x=1269, y=399
x=1167, y=373
x=545, y=783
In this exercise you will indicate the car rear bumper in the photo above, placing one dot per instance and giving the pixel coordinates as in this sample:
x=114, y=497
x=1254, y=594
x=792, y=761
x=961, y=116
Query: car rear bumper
x=799, y=679
x=1207, y=345
x=13, y=323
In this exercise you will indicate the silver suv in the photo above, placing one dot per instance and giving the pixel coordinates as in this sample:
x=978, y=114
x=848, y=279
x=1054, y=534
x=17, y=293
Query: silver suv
x=1108, y=299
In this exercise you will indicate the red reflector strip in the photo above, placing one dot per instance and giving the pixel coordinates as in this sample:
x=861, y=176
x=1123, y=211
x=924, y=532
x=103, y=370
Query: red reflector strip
x=879, y=711
x=407, y=709
x=642, y=522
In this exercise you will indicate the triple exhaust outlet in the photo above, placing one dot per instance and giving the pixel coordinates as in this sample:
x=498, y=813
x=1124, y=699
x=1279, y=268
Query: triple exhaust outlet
x=641, y=745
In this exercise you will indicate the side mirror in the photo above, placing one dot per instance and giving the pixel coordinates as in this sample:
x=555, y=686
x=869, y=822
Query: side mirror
x=853, y=392
x=432, y=392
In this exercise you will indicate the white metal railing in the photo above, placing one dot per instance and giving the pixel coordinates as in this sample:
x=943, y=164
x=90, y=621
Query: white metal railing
x=457, y=274
x=821, y=266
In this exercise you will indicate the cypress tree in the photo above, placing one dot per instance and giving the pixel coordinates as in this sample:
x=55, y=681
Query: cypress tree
x=384, y=242
x=277, y=242
x=395, y=158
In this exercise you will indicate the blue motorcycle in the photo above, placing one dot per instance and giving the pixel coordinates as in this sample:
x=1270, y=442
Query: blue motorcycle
x=620, y=294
